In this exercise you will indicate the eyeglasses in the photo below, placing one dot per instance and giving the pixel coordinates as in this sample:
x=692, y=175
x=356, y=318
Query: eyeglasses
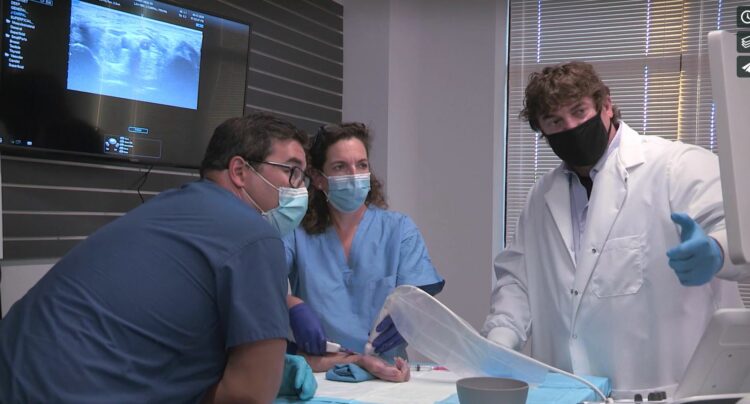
x=297, y=176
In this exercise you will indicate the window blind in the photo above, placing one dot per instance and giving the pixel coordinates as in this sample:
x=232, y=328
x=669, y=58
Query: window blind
x=653, y=55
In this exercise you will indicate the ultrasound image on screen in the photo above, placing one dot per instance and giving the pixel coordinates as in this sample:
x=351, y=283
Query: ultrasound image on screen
x=128, y=56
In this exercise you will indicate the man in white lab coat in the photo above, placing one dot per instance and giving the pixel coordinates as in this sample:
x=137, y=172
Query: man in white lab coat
x=618, y=259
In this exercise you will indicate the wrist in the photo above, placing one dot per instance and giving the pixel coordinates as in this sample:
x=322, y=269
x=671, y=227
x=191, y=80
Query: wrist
x=297, y=309
x=292, y=301
x=504, y=336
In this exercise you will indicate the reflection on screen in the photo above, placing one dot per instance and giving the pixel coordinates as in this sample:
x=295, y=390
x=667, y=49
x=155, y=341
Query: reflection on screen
x=128, y=56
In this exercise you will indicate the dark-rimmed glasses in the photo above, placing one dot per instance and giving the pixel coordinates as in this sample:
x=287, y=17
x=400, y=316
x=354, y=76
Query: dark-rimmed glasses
x=297, y=176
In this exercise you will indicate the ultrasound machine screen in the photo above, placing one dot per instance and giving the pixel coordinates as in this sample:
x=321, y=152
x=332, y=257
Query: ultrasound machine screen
x=138, y=80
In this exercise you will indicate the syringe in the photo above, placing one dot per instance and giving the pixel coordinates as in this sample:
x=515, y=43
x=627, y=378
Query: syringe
x=419, y=367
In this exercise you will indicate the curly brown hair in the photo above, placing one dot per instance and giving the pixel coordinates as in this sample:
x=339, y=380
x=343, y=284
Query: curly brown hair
x=318, y=216
x=561, y=84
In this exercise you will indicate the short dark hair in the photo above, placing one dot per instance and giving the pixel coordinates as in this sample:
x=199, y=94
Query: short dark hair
x=249, y=137
x=318, y=217
x=561, y=84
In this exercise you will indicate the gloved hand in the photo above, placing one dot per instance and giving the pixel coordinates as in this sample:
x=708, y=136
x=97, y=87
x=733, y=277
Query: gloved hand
x=308, y=332
x=388, y=337
x=503, y=336
x=698, y=258
x=297, y=379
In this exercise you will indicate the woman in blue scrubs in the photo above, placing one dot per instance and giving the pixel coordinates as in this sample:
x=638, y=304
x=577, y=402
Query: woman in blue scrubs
x=350, y=251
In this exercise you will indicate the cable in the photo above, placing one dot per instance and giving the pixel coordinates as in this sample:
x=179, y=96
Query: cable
x=582, y=380
x=562, y=372
x=420, y=317
x=142, y=182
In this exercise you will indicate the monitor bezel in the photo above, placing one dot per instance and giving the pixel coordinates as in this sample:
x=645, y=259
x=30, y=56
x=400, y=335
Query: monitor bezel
x=102, y=158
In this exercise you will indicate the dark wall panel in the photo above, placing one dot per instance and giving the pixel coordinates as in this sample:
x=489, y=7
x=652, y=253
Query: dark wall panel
x=330, y=6
x=57, y=173
x=44, y=248
x=308, y=126
x=64, y=200
x=298, y=40
x=299, y=108
x=290, y=18
x=292, y=89
x=295, y=70
x=331, y=19
x=52, y=226
x=300, y=57
x=278, y=67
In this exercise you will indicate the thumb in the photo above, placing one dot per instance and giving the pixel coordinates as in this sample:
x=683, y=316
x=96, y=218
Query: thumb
x=308, y=389
x=299, y=376
x=687, y=225
x=386, y=323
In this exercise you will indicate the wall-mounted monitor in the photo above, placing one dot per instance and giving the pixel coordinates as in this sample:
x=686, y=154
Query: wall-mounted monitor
x=136, y=80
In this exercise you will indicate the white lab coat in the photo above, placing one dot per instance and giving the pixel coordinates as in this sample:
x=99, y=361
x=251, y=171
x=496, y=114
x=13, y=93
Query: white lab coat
x=620, y=311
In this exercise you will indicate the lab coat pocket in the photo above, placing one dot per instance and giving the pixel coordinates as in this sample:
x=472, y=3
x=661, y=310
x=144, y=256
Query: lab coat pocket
x=619, y=271
x=372, y=294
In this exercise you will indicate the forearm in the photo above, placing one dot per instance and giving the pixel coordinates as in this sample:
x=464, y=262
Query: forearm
x=252, y=375
x=509, y=310
x=509, y=304
x=326, y=362
x=253, y=391
x=398, y=372
x=292, y=301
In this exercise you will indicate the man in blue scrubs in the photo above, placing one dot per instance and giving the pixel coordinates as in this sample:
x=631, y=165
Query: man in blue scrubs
x=179, y=300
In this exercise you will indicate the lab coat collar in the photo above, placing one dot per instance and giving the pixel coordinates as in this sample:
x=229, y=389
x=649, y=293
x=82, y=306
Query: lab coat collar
x=624, y=152
x=630, y=153
x=607, y=198
x=557, y=198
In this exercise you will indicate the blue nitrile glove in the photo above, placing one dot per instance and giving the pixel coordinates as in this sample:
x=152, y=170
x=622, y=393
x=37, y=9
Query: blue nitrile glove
x=308, y=332
x=698, y=258
x=297, y=379
x=388, y=337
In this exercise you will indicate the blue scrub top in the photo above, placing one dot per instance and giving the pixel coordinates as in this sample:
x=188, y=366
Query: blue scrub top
x=145, y=309
x=387, y=251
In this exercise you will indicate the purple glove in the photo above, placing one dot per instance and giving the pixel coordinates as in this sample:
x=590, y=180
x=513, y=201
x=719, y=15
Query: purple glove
x=308, y=332
x=698, y=258
x=388, y=338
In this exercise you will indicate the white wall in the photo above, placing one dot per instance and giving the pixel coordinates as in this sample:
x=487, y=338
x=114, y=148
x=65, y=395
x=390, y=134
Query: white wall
x=18, y=276
x=428, y=76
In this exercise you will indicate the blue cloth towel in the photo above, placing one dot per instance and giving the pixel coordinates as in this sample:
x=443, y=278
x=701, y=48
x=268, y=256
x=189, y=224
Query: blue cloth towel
x=558, y=389
x=348, y=372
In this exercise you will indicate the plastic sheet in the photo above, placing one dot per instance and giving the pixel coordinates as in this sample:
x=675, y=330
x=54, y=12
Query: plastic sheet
x=438, y=333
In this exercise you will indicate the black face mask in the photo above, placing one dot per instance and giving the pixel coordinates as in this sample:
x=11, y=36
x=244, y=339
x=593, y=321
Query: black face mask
x=583, y=145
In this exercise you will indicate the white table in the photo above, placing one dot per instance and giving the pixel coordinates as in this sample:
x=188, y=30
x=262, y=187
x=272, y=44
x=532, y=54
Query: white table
x=424, y=387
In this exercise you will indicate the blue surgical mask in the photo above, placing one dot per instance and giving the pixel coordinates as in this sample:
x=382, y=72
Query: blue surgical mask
x=348, y=192
x=292, y=207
